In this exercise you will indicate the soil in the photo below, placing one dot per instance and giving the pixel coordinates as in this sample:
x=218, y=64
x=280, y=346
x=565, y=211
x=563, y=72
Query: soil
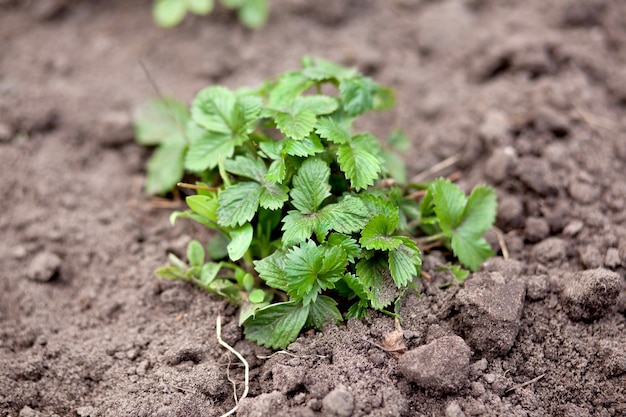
x=529, y=97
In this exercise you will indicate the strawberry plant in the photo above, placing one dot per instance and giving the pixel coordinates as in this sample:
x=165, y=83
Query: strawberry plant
x=310, y=231
x=169, y=13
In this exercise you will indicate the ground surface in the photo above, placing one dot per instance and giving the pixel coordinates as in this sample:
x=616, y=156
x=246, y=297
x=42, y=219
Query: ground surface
x=531, y=95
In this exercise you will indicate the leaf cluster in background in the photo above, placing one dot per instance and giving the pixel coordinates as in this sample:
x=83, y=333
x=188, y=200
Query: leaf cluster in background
x=169, y=13
x=307, y=234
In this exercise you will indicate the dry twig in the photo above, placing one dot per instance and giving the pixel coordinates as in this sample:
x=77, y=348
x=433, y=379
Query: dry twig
x=522, y=385
x=218, y=331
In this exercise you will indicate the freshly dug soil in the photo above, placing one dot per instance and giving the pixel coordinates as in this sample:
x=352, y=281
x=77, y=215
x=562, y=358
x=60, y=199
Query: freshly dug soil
x=529, y=97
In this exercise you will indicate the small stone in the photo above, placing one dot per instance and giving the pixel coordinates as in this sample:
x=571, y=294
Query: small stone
x=490, y=312
x=573, y=228
x=612, y=258
x=591, y=294
x=19, y=252
x=454, y=410
x=490, y=378
x=441, y=366
x=339, y=402
x=27, y=412
x=536, y=229
x=550, y=250
x=44, y=267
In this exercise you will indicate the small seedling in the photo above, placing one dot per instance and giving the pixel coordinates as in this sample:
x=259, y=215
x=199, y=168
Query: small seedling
x=315, y=221
x=169, y=13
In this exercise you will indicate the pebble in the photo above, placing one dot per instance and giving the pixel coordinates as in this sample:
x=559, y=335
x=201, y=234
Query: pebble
x=490, y=312
x=573, y=228
x=28, y=412
x=591, y=294
x=339, y=402
x=441, y=365
x=44, y=267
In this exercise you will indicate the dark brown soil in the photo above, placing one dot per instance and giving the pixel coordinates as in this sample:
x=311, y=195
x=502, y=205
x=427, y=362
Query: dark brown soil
x=530, y=95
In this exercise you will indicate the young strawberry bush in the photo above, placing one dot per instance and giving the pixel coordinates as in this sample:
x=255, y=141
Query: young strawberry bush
x=309, y=232
x=169, y=13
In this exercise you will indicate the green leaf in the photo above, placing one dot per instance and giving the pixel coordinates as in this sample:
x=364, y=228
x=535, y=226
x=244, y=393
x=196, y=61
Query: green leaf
x=195, y=253
x=276, y=325
x=395, y=166
x=238, y=204
x=201, y=7
x=403, y=263
x=322, y=311
x=217, y=247
x=374, y=275
x=398, y=141
x=360, y=166
x=256, y=296
x=165, y=168
x=272, y=148
x=465, y=220
x=449, y=203
x=297, y=227
x=383, y=98
x=480, y=211
x=317, y=104
x=219, y=110
x=377, y=234
x=169, y=13
x=356, y=94
x=308, y=146
x=272, y=270
x=277, y=171
x=318, y=69
x=203, y=205
x=355, y=284
x=160, y=121
x=209, y=273
x=207, y=149
x=253, y=13
x=332, y=131
x=348, y=244
x=310, y=186
x=296, y=125
x=312, y=268
x=348, y=216
x=273, y=196
x=170, y=272
x=472, y=251
x=242, y=166
x=241, y=238
x=289, y=86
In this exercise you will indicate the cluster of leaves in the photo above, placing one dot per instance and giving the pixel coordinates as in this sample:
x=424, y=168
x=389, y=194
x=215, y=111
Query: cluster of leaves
x=298, y=200
x=169, y=13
